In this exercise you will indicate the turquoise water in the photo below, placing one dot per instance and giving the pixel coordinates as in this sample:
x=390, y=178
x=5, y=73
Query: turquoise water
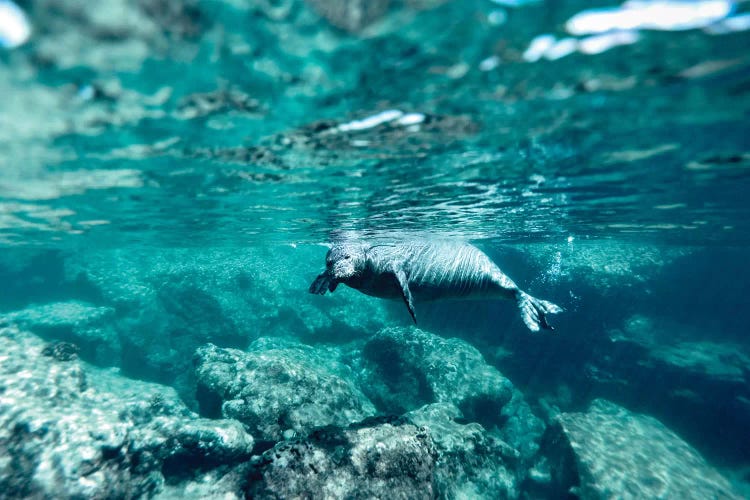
x=173, y=172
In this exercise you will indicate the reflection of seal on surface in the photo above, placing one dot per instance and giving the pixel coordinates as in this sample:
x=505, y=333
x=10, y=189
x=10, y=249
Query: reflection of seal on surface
x=426, y=271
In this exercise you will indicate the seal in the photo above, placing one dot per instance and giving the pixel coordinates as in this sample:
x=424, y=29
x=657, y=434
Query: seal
x=421, y=271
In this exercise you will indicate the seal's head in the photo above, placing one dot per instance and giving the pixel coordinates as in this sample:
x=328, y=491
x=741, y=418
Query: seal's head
x=346, y=260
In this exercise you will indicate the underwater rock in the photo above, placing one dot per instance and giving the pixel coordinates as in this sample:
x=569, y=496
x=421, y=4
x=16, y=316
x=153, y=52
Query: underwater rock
x=168, y=305
x=721, y=363
x=350, y=15
x=176, y=19
x=81, y=324
x=609, y=451
x=72, y=431
x=471, y=462
x=185, y=316
x=656, y=365
x=193, y=444
x=403, y=369
x=676, y=362
x=520, y=427
x=376, y=458
x=274, y=390
x=225, y=483
x=60, y=314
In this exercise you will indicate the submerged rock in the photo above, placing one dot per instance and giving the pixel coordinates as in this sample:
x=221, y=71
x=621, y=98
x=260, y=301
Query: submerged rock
x=471, y=462
x=78, y=324
x=691, y=384
x=371, y=459
x=274, y=390
x=403, y=369
x=350, y=15
x=725, y=363
x=71, y=431
x=608, y=452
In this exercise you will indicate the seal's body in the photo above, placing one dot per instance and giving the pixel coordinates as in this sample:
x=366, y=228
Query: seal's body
x=426, y=271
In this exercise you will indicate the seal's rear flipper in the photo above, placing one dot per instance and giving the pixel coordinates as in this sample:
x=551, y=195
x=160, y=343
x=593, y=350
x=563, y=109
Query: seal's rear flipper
x=534, y=311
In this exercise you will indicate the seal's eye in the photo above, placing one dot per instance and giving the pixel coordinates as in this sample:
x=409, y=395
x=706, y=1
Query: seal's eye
x=347, y=256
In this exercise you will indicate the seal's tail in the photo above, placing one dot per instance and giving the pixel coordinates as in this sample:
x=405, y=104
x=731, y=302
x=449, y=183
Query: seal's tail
x=534, y=311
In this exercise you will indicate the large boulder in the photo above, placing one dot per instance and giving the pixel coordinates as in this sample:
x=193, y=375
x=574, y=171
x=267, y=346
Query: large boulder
x=672, y=371
x=471, y=463
x=350, y=15
x=377, y=458
x=168, y=303
x=609, y=451
x=86, y=325
x=275, y=388
x=68, y=430
x=403, y=369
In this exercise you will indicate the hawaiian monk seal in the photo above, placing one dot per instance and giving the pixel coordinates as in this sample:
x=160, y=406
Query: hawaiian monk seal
x=426, y=271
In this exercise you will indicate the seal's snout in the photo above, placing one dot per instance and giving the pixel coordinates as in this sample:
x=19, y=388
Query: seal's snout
x=343, y=269
x=343, y=262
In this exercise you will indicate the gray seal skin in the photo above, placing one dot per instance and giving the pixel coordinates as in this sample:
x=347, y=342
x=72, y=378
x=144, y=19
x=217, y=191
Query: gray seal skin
x=426, y=271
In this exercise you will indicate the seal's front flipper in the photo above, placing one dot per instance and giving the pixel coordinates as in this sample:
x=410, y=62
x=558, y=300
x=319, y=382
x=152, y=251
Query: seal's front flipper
x=534, y=311
x=406, y=293
x=322, y=282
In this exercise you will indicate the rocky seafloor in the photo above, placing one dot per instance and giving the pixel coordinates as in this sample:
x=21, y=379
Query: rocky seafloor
x=214, y=374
